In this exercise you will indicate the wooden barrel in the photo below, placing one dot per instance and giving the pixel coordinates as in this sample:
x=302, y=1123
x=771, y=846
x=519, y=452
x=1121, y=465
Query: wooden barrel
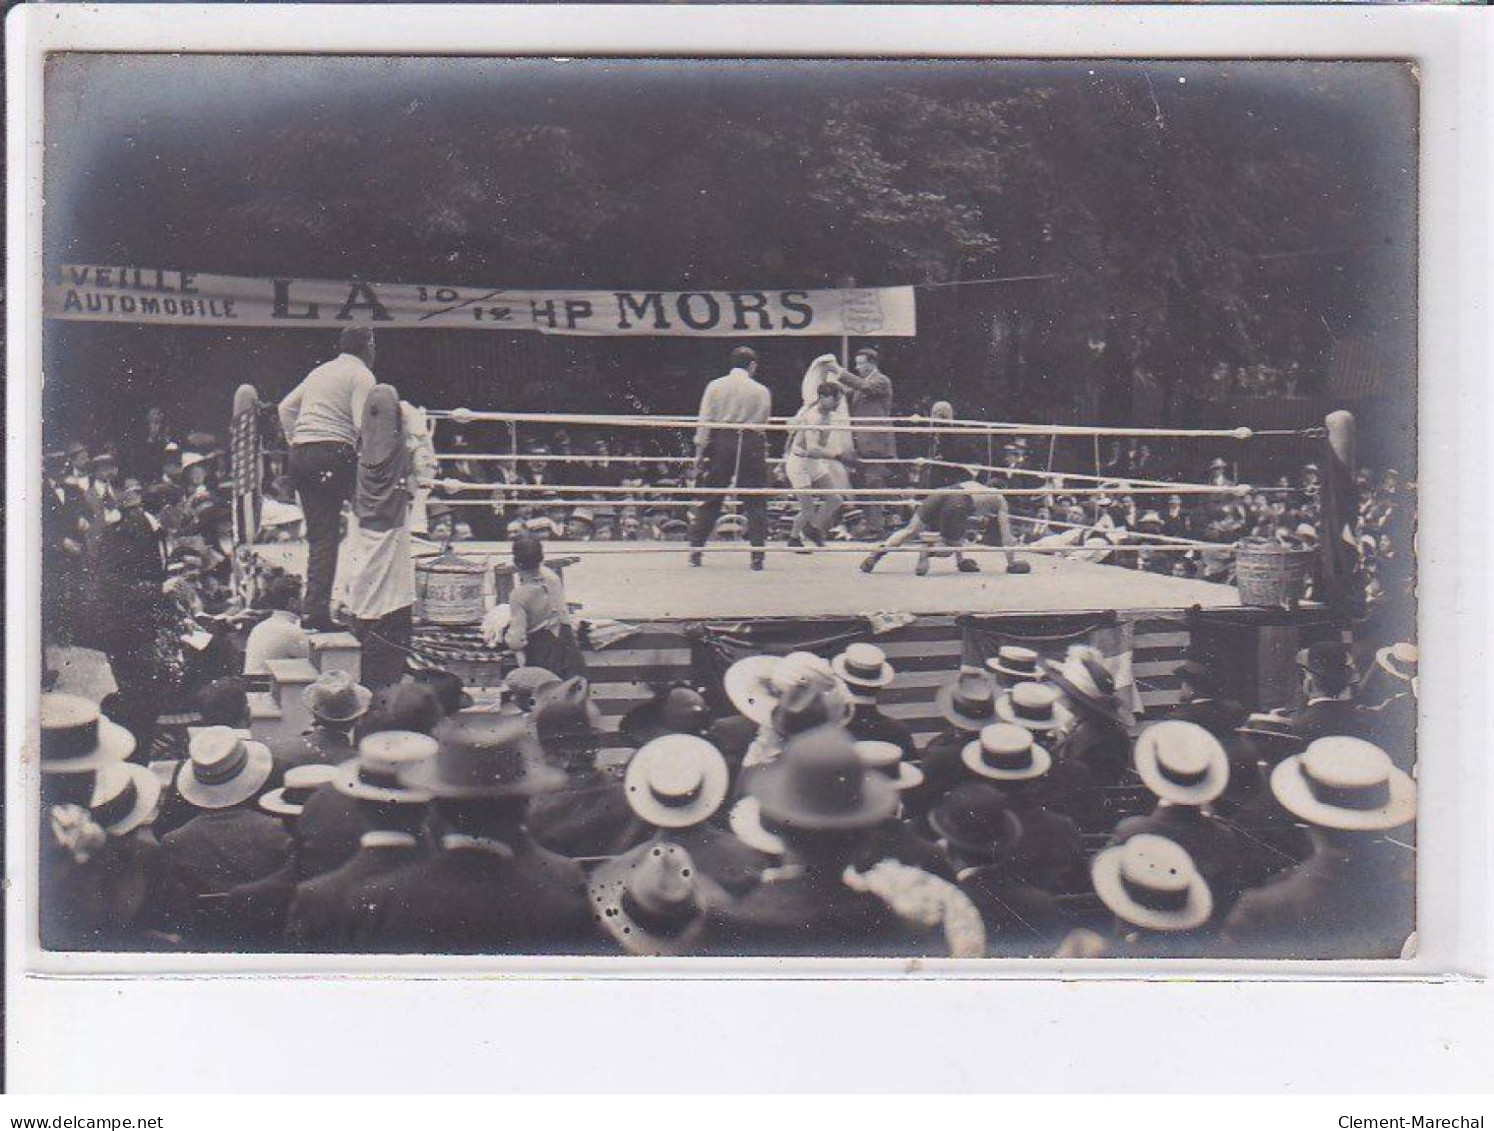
x=449, y=589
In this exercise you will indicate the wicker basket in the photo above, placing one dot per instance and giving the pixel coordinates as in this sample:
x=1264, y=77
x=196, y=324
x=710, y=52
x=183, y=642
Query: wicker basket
x=1271, y=575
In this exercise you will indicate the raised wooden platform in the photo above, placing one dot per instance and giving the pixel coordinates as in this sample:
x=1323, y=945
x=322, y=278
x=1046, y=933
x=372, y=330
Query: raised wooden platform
x=651, y=585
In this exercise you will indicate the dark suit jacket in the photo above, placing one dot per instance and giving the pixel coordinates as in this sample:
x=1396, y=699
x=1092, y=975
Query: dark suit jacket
x=1219, y=717
x=469, y=901
x=1050, y=853
x=811, y=915
x=942, y=768
x=327, y=831
x=1335, y=904
x=314, y=746
x=720, y=856
x=897, y=840
x=590, y=817
x=208, y=857
x=1330, y=717
x=132, y=552
x=324, y=911
x=255, y=911
x=1101, y=746
x=1392, y=727
x=869, y=724
x=1021, y=921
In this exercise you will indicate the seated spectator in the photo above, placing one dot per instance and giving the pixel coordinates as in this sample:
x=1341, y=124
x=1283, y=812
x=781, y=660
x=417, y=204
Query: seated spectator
x=229, y=842
x=336, y=704
x=1187, y=769
x=280, y=635
x=653, y=900
x=1161, y=901
x=489, y=889
x=980, y=834
x=326, y=910
x=1328, y=689
x=1353, y=897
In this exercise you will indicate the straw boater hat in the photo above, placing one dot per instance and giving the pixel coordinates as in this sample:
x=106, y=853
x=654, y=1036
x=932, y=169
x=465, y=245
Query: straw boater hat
x=1399, y=660
x=886, y=758
x=76, y=738
x=755, y=685
x=968, y=701
x=296, y=788
x=676, y=781
x=977, y=819
x=374, y=774
x=1016, y=663
x=335, y=698
x=1151, y=882
x=653, y=900
x=276, y=513
x=1181, y=762
x=481, y=755
x=1345, y=783
x=192, y=459
x=863, y=667
x=820, y=785
x=746, y=823
x=1033, y=706
x=125, y=797
x=223, y=768
x=1006, y=752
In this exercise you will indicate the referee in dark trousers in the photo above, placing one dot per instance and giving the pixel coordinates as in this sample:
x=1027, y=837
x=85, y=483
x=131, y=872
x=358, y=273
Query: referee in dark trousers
x=321, y=418
x=732, y=457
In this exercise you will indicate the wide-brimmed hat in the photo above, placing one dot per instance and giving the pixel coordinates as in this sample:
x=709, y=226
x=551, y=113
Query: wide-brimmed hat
x=103, y=459
x=675, y=710
x=76, y=447
x=1016, y=663
x=1327, y=658
x=529, y=681
x=977, y=819
x=1033, y=706
x=125, y=796
x=1152, y=882
x=676, y=781
x=335, y=698
x=819, y=784
x=1345, y=783
x=1399, y=660
x=1086, y=680
x=756, y=684
x=1182, y=762
x=223, y=768
x=1006, y=752
x=886, y=758
x=863, y=665
x=480, y=755
x=653, y=900
x=192, y=459
x=746, y=823
x=77, y=738
x=374, y=774
x=968, y=700
x=564, y=713
x=275, y=513
x=296, y=788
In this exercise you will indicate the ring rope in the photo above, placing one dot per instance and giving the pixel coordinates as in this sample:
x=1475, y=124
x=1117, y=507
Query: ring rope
x=1120, y=484
x=658, y=547
x=914, y=425
x=847, y=492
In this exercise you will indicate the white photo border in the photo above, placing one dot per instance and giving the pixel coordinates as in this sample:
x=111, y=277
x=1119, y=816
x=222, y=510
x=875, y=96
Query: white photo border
x=1452, y=53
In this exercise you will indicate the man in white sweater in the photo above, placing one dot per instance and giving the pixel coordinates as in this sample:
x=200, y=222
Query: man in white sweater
x=322, y=418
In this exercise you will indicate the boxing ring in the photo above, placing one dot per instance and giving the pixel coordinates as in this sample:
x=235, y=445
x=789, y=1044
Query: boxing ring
x=921, y=622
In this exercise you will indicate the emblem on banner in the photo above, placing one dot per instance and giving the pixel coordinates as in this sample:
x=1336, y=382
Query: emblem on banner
x=861, y=311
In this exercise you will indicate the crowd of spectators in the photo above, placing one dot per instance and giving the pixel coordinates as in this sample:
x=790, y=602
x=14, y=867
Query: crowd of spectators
x=803, y=820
